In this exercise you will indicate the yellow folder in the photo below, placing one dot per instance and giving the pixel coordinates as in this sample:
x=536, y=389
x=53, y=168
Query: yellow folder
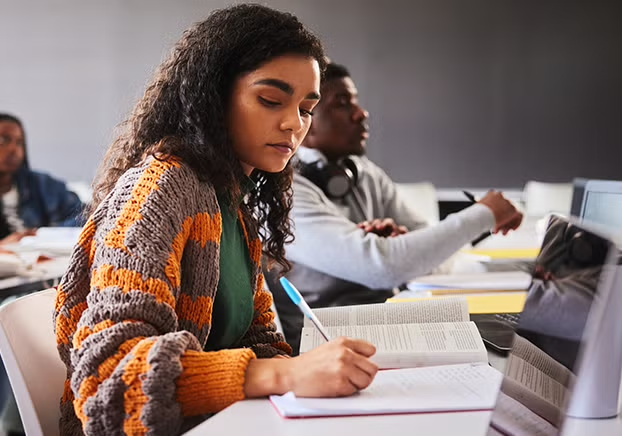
x=505, y=253
x=507, y=302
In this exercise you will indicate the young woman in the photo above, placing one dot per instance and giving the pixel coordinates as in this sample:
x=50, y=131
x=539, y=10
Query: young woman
x=30, y=199
x=162, y=318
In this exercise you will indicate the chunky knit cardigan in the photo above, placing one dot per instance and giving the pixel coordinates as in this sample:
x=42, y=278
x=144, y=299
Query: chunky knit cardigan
x=134, y=309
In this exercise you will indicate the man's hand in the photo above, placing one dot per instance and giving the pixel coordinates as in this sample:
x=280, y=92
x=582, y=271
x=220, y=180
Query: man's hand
x=506, y=216
x=382, y=227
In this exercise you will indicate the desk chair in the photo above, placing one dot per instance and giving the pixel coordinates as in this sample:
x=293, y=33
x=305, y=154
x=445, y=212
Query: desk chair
x=542, y=198
x=28, y=349
x=423, y=199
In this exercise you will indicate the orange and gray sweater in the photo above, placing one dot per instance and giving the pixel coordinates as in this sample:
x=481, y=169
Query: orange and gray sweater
x=134, y=309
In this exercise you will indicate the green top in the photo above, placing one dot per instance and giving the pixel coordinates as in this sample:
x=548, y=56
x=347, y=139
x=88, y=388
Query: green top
x=232, y=313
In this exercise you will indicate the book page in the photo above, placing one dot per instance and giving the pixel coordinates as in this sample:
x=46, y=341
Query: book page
x=526, y=359
x=532, y=401
x=432, y=389
x=536, y=380
x=512, y=417
x=441, y=310
x=409, y=345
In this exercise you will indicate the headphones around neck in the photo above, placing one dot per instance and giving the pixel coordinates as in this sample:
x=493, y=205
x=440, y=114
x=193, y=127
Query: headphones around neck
x=336, y=179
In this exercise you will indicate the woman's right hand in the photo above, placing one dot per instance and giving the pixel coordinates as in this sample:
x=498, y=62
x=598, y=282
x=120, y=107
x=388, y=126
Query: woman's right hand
x=337, y=368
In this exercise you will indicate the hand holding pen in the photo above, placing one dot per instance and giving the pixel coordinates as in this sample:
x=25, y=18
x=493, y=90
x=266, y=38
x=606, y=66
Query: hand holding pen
x=484, y=235
x=336, y=368
x=507, y=217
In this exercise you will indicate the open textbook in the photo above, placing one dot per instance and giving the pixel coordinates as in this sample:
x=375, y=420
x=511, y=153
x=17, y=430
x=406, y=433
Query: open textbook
x=533, y=392
x=412, y=334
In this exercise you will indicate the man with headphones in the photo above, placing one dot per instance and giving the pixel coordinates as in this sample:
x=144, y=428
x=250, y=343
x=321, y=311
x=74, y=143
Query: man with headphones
x=355, y=238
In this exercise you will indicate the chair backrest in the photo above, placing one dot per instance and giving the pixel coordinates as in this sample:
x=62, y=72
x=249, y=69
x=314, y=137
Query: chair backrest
x=542, y=198
x=423, y=199
x=82, y=189
x=28, y=349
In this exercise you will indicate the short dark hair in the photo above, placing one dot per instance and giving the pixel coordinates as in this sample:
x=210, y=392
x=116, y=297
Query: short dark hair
x=335, y=71
x=15, y=120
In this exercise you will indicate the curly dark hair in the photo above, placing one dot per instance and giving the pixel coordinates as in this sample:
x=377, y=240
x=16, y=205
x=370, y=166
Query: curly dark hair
x=182, y=113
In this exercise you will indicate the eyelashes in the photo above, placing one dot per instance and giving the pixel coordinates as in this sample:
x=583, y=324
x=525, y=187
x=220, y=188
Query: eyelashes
x=273, y=104
x=268, y=103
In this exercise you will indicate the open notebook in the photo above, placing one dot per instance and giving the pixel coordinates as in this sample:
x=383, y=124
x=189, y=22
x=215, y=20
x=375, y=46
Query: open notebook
x=443, y=361
x=570, y=287
x=412, y=390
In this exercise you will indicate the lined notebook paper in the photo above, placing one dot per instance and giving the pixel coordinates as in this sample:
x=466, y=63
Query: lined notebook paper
x=412, y=390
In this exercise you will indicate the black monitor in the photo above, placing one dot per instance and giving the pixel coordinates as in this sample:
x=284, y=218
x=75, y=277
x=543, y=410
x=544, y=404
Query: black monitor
x=578, y=190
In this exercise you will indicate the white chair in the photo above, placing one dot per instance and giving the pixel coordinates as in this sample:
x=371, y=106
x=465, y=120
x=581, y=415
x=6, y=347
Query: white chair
x=82, y=189
x=422, y=198
x=542, y=198
x=28, y=349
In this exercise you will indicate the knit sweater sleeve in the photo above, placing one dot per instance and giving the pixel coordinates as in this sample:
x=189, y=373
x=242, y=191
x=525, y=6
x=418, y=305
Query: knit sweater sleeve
x=126, y=328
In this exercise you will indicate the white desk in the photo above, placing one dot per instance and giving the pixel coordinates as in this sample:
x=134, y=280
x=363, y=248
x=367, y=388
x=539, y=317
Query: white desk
x=259, y=417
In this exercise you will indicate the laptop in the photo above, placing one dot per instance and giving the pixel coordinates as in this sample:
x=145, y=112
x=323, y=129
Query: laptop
x=598, y=202
x=561, y=244
x=572, y=273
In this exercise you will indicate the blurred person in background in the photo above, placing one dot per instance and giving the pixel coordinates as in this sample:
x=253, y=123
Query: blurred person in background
x=30, y=199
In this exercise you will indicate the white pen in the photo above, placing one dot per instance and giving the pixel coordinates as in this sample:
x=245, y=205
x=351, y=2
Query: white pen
x=297, y=299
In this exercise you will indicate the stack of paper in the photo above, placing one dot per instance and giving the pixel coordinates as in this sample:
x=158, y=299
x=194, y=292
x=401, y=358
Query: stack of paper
x=10, y=265
x=468, y=283
x=51, y=241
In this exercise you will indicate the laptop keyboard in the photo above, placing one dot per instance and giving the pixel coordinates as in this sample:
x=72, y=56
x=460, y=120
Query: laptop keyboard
x=511, y=318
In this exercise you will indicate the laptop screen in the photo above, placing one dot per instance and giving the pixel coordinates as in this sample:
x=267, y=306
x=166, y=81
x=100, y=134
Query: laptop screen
x=543, y=361
x=602, y=203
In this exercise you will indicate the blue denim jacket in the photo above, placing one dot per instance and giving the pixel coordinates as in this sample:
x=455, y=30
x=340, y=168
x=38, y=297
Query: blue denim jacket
x=46, y=202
